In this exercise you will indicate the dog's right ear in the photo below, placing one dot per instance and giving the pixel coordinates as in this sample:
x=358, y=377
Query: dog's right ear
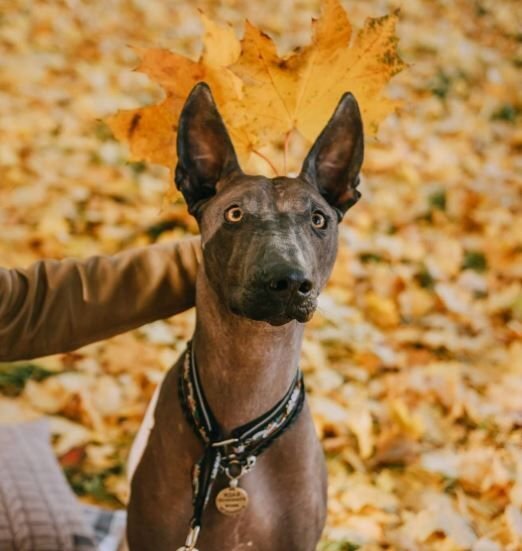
x=205, y=150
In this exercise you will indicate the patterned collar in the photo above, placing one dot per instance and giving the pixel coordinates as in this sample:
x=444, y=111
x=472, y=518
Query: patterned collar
x=233, y=454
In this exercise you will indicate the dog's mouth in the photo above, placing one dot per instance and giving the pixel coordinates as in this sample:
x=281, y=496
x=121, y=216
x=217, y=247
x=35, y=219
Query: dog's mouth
x=275, y=312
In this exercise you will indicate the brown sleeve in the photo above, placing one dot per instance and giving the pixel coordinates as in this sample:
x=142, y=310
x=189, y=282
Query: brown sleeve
x=58, y=306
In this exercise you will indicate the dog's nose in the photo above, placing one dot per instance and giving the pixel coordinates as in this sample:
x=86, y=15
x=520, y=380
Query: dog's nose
x=289, y=281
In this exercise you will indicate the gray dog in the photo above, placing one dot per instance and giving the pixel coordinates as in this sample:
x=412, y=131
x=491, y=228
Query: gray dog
x=268, y=248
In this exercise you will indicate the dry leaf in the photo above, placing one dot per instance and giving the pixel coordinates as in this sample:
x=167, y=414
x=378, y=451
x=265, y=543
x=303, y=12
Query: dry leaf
x=439, y=515
x=261, y=96
x=150, y=131
x=514, y=522
x=300, y=91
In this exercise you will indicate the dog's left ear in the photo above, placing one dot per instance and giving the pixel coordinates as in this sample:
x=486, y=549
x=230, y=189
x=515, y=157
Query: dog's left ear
x=334, y=162
x=205, y=150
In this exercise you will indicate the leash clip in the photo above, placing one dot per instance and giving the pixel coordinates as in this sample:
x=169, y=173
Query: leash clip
x=244, y=468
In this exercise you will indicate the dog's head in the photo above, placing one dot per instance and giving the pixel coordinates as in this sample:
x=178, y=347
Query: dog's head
x=268, y=244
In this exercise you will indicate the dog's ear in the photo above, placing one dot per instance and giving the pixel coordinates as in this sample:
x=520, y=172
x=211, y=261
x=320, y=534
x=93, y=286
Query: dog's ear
x=334, y=162
x=205, y=150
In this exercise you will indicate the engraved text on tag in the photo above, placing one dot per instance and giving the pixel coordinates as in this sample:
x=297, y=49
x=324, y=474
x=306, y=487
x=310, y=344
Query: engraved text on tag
x=231, y=501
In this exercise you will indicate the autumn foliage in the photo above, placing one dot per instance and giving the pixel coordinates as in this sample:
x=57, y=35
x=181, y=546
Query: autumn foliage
x=413, y=361
x=262, y=96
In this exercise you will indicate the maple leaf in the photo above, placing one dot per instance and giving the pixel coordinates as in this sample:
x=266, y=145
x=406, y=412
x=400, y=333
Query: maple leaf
x=150, y=131
x=300, y=91
x=261, y=96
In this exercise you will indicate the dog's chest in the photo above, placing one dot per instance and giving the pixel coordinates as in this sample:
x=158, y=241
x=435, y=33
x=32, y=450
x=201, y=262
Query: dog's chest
x=287, y=498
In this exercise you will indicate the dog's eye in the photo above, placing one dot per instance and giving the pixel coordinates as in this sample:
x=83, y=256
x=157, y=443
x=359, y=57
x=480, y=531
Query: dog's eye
x=318, y=220
x=233, y=214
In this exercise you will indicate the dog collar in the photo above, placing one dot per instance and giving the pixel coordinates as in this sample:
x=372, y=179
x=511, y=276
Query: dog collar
x=233, y=454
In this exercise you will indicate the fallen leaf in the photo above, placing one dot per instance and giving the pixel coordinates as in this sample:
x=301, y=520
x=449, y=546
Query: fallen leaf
x=513, y=517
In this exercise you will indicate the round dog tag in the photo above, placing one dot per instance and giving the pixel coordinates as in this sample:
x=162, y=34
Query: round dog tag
x=231, y=501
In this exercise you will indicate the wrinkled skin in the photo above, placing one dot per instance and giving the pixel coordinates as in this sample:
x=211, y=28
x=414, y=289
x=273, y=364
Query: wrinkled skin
x=274, y=235
x=264, y=266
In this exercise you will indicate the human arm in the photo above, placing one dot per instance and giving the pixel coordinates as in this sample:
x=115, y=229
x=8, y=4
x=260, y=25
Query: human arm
x=57, y=306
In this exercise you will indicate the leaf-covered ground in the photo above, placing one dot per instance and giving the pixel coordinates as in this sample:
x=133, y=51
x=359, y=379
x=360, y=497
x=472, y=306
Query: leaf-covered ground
x=414, y=361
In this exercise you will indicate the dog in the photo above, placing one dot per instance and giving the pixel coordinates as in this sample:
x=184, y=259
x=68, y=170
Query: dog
x=268, y=247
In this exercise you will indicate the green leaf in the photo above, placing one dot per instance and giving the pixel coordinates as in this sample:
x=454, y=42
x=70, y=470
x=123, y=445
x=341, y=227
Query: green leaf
x=506, y=112
x=370, y=257
x=14, y=376
x=92, y=484
x=475, y=260
x=437, y=200
x=425, y=279
x=441, y=85
x=338, y=546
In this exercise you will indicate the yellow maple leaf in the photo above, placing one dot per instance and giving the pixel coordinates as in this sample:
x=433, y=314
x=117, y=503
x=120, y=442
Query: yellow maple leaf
x=261, y=96
x=150, y=131
x=301, y=90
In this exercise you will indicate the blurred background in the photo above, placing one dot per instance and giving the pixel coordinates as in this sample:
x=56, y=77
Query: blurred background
x=413, y=363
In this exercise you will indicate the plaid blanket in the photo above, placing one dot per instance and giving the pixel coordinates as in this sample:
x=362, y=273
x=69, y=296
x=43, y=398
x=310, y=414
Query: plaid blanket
x=108, y=526
x=38, y=510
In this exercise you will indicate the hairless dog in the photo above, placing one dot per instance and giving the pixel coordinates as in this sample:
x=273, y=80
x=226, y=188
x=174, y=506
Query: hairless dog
x=268, y=249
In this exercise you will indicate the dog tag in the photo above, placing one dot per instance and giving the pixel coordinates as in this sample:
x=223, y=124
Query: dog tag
x=231, y=501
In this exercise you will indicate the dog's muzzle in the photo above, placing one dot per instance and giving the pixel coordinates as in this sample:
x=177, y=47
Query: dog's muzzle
x=260, y=305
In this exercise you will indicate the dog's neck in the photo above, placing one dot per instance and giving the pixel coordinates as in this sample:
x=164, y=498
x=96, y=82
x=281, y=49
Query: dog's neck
x=245, y=366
